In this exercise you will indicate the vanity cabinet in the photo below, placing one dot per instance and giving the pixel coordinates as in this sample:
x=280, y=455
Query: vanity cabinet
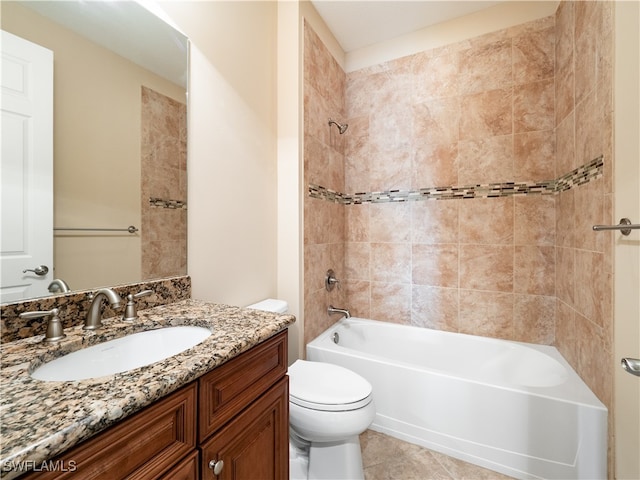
x=246, y=443
x=255, y=445
x=236, y=416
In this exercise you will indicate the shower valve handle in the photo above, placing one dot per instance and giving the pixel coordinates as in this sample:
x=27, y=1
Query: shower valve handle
x=330, y=281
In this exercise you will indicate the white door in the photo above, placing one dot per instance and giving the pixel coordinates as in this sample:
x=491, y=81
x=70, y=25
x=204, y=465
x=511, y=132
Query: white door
x=627, y=248
x=26, y=174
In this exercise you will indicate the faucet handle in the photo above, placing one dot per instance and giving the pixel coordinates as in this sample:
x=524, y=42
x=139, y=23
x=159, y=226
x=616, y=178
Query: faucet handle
x=130, y=311
x=143, y=293
x=55, y=332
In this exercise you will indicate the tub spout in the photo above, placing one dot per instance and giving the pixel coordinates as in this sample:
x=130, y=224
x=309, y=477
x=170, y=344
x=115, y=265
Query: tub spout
x=331, y=310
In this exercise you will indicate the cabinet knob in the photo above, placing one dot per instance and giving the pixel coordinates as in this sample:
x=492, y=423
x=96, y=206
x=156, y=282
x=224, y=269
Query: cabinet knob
x=216, y=466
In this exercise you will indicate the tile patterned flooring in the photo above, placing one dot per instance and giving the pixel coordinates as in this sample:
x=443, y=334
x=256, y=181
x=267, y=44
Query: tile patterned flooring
x=387, y=458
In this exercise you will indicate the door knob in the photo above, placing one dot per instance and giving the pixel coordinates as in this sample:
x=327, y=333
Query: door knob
x=631, y=365
x=42, y=270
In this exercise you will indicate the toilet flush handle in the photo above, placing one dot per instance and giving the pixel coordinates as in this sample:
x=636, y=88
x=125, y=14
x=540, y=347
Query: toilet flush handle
x=216, y=466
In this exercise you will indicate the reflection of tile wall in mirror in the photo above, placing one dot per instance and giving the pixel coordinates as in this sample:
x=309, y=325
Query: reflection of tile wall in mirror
x=164, y=158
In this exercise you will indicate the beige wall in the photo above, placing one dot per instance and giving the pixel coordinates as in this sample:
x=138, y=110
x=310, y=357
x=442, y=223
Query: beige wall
x=97, y=98
x=627, y=249
x=290, y=238
x=232, y=215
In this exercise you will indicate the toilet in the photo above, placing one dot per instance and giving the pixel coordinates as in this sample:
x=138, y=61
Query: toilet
x=329, y=407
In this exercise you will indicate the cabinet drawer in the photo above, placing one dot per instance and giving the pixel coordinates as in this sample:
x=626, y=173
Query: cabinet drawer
x=186, y=469
x=225, y=391
x=144, y=446
x=255, y=445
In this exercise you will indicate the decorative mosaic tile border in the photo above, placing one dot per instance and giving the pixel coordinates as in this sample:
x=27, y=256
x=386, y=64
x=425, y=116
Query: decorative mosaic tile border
x=161, y=202
x=585, y=173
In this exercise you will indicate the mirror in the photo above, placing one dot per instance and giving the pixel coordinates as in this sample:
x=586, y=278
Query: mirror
x=119, y=136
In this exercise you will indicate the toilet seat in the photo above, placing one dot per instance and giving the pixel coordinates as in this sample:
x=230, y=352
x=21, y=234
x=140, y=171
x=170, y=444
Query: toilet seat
x=327, y=387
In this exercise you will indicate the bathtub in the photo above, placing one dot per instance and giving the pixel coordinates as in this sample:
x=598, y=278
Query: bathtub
x=515, y=408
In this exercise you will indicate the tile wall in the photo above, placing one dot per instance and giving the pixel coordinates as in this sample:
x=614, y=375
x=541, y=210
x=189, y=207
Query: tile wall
x=324, y=159
x=475, y=112
x=529, y=104
x=584, y=126
x=164, y=186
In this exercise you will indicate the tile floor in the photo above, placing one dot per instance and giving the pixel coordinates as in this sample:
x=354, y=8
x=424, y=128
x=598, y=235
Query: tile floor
x=387, y=458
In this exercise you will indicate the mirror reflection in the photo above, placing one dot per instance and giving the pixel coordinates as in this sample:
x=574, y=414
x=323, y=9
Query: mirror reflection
x=119, y=150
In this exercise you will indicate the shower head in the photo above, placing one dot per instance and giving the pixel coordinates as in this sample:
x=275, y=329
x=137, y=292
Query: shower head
x=341, y=127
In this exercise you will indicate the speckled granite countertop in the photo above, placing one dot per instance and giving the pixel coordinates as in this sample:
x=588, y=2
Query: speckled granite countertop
x=39, y=420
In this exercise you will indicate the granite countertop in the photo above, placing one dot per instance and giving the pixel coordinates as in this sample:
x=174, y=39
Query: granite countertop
x=39, y=420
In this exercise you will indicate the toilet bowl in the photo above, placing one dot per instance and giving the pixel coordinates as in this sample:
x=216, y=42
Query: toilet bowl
x=329, y=407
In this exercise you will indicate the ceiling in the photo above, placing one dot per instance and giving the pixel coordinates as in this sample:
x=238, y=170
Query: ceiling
x=357, y=24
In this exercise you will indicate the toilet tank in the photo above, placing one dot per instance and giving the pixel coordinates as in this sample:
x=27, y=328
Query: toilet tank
x=271, y=305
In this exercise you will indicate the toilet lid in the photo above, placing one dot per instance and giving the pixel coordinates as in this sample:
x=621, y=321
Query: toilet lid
x=328, y=387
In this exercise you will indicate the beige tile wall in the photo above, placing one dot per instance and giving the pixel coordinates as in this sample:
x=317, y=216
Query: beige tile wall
x=584, y=268
x=164, y=166
x=324, y=90
x=491, y=109
x=480, y=111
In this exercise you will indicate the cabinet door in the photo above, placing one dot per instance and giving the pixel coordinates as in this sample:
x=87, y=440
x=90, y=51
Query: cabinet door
x=255, y=445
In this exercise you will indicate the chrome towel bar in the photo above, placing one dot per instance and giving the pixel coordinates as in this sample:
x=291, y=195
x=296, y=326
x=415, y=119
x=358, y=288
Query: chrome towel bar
x=130, y=229
x=625, y=226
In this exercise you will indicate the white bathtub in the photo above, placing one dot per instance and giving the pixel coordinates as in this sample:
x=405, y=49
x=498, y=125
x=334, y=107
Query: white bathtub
x=516, y=408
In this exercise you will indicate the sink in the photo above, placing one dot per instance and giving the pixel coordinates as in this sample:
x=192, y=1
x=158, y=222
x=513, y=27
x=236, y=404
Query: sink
x=122, y=354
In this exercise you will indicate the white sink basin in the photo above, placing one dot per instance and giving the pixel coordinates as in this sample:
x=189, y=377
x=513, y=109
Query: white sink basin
x=122, y=354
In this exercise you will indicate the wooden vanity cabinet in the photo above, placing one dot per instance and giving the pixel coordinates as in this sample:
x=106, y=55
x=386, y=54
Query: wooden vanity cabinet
x=238, y=414
x=255, y=445
x=251, y=442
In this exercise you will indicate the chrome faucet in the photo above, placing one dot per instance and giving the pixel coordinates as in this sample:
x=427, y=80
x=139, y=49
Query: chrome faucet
x=58, y=285
x=94, y=315
x=331, y=310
